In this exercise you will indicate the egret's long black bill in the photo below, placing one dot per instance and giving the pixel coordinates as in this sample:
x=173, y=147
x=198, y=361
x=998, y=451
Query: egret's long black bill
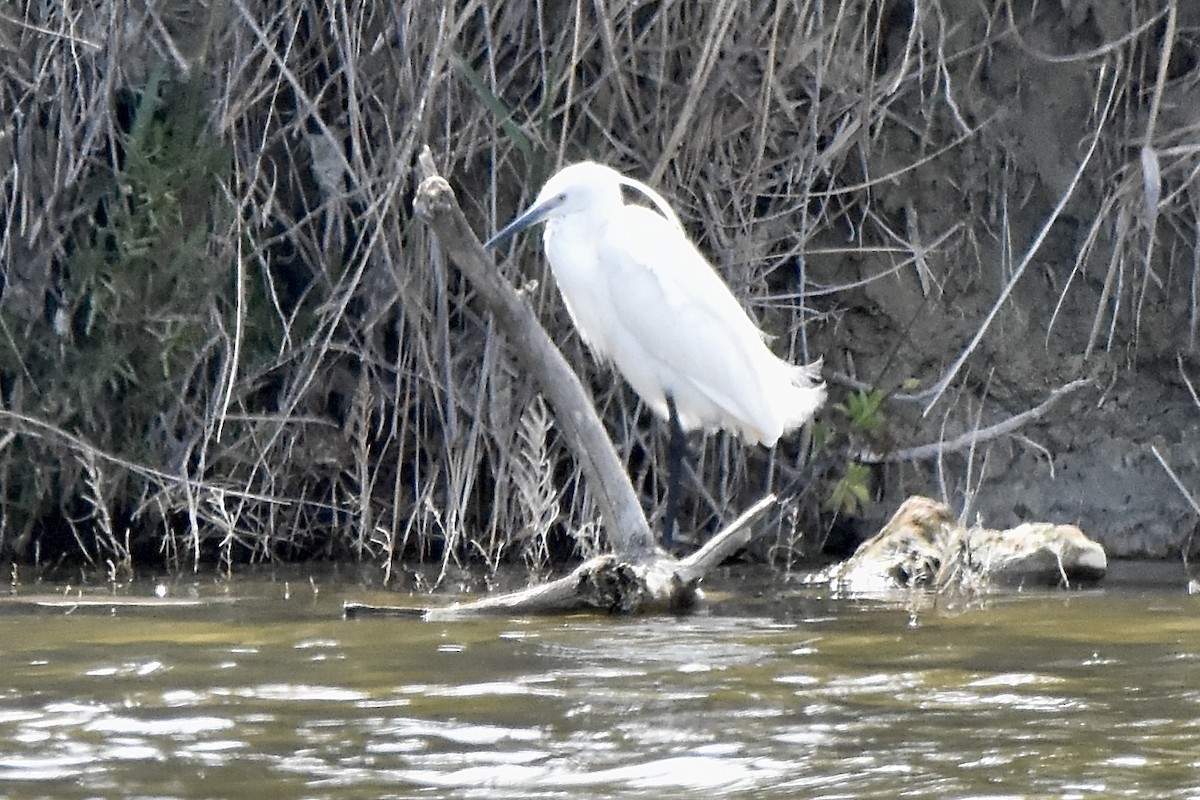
x=531, y=216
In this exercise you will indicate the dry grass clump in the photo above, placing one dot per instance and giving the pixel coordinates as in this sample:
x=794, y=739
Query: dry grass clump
x=224, y=337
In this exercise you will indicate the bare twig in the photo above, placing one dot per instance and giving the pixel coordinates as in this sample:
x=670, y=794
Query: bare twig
x=1187, y=382
x=969, y=440
x=939, y=388
x=1183, y=490
x=735, y=536
x=1187, y=495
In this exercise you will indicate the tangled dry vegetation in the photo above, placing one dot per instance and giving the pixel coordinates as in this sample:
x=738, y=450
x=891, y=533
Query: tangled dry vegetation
x=224, y=337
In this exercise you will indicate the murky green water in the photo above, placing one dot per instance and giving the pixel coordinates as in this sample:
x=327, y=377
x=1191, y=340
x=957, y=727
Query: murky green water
x=267, y=692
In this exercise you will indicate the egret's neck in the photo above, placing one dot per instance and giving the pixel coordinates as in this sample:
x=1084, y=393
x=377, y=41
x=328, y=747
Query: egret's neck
x=573, y=238
x=572, y=235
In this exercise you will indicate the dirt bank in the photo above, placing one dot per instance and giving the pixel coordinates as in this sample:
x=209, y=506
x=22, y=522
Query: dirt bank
x=1087, y=303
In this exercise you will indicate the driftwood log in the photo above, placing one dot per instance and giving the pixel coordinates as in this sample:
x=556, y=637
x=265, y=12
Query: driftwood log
x=637, y=574
x=608, y=583
x=923, y=546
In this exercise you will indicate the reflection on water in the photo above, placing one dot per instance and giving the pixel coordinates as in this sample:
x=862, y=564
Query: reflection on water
x=270, y=694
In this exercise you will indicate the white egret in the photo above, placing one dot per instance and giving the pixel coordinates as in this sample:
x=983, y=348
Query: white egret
x=644, y=298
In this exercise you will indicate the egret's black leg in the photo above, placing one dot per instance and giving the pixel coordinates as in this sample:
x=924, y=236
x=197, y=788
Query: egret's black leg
x=676, y=450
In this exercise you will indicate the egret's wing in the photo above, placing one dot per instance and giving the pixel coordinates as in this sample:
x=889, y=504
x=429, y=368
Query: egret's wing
x=681, y=320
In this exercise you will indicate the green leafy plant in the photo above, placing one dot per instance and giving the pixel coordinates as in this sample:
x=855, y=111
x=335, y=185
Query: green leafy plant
x=139, y=287
x=122, y=357
x=863, y=410
x=851, y=491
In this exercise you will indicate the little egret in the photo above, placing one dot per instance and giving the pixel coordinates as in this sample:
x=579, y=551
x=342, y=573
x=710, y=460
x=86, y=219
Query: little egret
x=644, y=298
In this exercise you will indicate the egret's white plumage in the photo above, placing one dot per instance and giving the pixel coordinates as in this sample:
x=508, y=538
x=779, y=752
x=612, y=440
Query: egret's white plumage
x=644, y=298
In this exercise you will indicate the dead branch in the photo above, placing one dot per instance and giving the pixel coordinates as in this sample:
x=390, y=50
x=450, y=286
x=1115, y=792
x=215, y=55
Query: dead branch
x=1187, y=495
x=732, y=538
x=1183, y=490
x=625, y=524
x=605, y=583
x=968, y=440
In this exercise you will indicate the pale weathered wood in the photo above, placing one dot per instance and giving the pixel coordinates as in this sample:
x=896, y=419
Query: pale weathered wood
x=606, y=583
x=638, y=574
x=625, y=523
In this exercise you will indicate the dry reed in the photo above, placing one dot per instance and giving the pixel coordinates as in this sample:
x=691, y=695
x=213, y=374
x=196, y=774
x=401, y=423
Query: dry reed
x=223, y=333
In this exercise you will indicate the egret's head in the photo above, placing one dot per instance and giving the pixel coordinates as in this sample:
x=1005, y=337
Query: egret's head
x=578, y=189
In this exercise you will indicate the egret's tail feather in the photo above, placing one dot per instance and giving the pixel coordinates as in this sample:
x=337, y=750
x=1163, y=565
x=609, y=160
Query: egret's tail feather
x=812, y=371
x=791, y=398
x=806, y=395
